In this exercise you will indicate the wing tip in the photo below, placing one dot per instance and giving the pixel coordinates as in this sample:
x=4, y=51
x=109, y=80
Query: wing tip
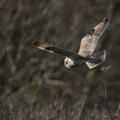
x=36, y=43
x=41, y=45
x=106, y=19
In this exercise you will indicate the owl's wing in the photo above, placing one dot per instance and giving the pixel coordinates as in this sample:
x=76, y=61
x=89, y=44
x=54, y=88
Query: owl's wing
x=89, y=42
x=56, y=49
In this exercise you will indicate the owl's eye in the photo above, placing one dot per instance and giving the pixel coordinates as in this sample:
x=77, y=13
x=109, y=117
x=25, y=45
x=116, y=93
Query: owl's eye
x=66, y=62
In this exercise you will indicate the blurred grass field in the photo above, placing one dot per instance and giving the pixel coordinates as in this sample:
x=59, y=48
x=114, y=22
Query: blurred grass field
x=35, y=85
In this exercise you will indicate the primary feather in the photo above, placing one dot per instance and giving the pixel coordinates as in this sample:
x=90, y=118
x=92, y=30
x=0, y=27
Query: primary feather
x=56, y=49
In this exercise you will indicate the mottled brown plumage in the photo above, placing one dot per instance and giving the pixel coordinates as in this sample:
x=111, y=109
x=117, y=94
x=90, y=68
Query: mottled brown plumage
x=89, y=41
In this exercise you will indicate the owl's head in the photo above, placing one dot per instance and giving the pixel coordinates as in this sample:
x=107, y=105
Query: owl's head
x=68, y=62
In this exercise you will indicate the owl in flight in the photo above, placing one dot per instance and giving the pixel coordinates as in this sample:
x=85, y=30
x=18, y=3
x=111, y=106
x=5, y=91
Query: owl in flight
x=87, y=47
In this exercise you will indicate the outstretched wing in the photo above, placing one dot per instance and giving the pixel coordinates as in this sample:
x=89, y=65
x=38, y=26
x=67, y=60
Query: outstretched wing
x=89, y=42
x=56, y=49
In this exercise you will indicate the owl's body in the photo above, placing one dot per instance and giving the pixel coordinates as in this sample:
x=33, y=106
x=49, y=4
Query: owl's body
x=87, y=47
x=91, y=61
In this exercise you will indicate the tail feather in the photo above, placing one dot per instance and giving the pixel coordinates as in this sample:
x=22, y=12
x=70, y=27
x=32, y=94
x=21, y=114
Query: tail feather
x=97, y=59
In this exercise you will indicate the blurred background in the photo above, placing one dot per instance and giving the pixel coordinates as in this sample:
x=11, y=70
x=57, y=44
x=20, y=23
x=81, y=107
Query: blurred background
x=34, y=84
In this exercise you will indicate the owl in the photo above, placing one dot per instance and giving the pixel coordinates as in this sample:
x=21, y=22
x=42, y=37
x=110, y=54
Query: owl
x=87, y=47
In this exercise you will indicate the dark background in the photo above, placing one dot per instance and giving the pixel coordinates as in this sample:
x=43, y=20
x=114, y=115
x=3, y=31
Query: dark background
x=34, y=84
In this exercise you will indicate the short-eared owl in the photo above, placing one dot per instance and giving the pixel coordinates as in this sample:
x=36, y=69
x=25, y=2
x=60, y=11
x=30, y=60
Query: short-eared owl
x=87, y=47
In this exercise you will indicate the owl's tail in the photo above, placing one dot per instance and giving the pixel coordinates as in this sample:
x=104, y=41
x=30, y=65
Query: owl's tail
x=96, y=59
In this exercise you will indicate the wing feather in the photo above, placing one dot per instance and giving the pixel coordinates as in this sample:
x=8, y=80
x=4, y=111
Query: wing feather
x=56, y=49
x=89, y=42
